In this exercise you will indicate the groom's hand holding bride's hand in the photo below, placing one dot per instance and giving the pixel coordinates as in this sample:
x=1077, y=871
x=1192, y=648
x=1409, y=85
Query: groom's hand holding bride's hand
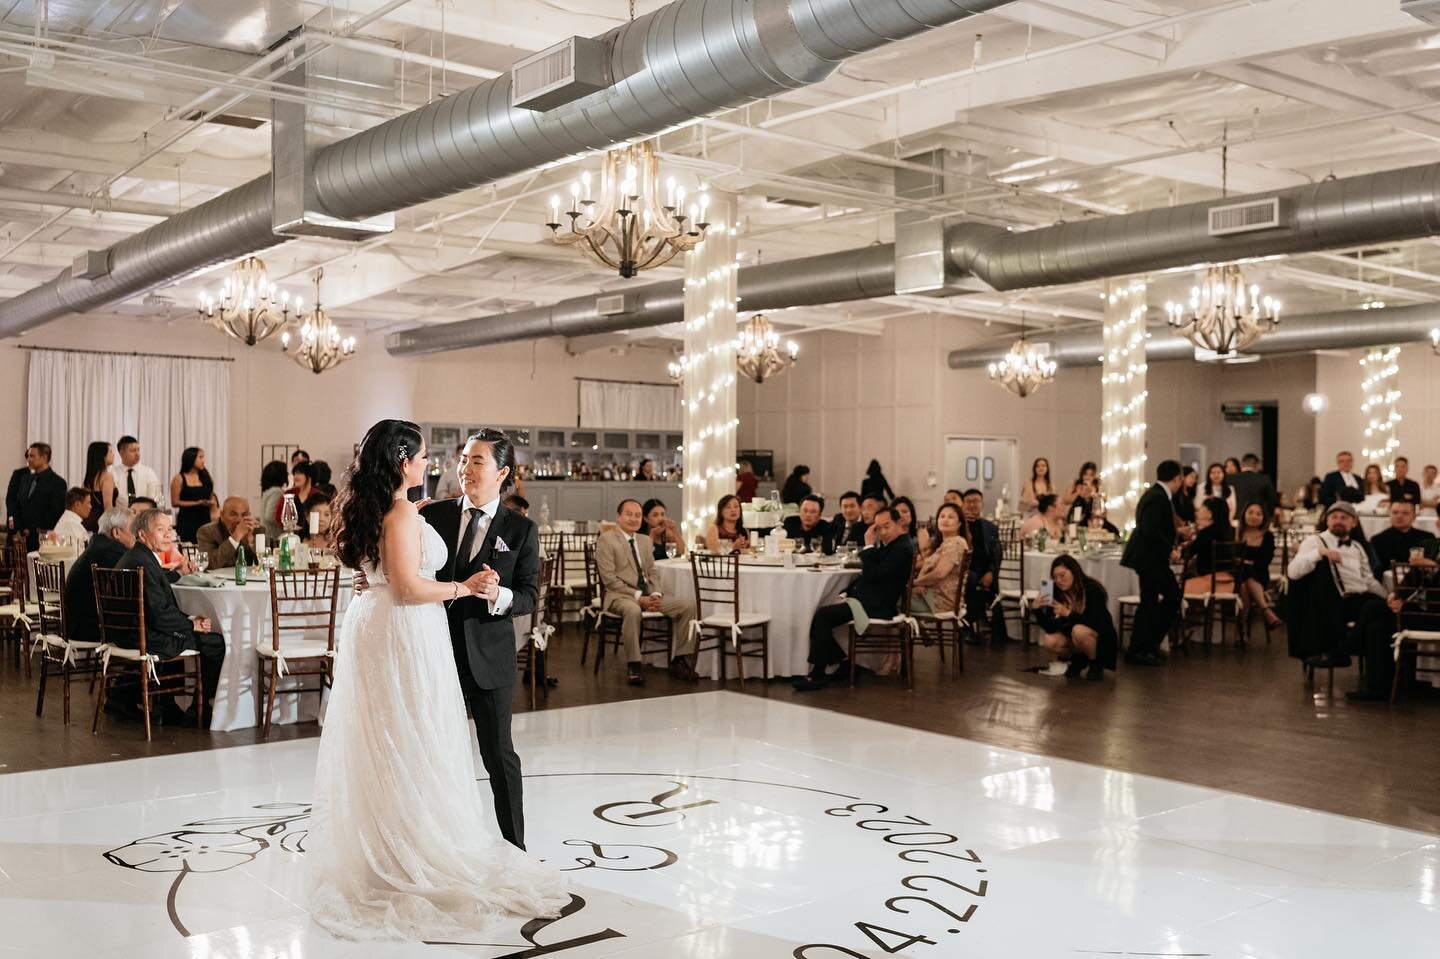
x=485, y=584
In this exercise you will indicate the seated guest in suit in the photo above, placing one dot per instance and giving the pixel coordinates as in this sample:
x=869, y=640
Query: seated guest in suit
x=1346, y=592
x=982, y=584
x=1393, y=545
x=726, y=524
x=626, y=567
x=1342, y=483
x=140, y=504
x=885, y=572
x=661, y=529
x=1077, y=621
x=168, y=631
x=954, y=496
x=236, y=527
x=848, y=525
x=107, y=547
x=71, y=523
x=870, y=504
x=936, y=589
x=36, y=496
x=1402, y=488
x=1048, y=516
x=813, y=532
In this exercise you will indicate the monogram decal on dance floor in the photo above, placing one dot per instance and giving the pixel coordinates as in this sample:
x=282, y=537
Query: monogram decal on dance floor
x=953, y=872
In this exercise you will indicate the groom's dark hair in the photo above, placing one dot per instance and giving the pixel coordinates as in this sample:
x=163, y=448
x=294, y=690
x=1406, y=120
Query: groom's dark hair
x=501, y=450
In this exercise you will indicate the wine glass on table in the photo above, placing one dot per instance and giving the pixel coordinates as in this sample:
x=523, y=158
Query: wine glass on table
x=202, y=562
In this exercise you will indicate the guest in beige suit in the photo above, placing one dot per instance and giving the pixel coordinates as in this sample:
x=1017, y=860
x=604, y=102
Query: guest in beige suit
x=236, y=527
x=626, y=566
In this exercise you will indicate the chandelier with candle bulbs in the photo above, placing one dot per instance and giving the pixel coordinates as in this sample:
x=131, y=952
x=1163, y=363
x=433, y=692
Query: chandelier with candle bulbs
x=1024, y=369
x=1224, y=316
x=319, y=344
x=759, y=353
x=249, y=308
x=634, y=222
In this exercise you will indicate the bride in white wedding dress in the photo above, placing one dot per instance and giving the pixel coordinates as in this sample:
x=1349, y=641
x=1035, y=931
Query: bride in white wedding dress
x=401, y=847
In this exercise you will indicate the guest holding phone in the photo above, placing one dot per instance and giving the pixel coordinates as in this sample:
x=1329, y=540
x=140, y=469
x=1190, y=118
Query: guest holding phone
x=1076, y=620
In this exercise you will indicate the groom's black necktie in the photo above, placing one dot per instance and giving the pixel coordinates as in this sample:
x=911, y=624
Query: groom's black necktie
x=467, y=542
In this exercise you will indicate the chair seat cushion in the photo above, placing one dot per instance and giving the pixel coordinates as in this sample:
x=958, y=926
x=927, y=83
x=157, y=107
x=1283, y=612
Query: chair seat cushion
x=941, y=617
x=1418, y=635
x=1129, y=600
x=298, y=649
x=133, y=655
x=724, y=621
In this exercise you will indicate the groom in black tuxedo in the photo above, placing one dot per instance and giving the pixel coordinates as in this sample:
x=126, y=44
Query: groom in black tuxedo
x=484, y=537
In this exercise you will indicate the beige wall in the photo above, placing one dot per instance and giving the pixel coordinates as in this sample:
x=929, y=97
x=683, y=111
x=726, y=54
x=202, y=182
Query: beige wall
x=853, y=397
x=1342, y=426
x=278, y=402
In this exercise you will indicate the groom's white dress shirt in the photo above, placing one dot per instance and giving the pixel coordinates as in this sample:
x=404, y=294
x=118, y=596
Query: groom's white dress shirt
x=502, y=602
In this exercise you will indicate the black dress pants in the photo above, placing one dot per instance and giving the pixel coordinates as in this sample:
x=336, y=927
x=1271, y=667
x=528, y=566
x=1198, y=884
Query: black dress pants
x=824, y=650
x=210, y=646
x=980, y=603
x=1371, y=638
x=490, y=709
x=1159, y=605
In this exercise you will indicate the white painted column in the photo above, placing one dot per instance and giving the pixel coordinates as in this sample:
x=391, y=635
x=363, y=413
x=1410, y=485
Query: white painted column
x=708, y=393
x=1381, y=408
x=1122, y=399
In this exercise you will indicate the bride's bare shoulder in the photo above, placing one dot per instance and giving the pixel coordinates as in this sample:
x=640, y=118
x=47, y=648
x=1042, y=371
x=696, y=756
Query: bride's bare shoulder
x=401, y=512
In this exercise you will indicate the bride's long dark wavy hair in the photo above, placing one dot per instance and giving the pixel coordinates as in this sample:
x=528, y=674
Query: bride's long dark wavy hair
x=367, y=490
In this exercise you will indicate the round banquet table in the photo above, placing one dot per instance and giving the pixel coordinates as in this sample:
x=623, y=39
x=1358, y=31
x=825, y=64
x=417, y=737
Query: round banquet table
x=33, y=557
x=788, y=596
x=1103, y=565
x=1374, y=523
x=242, y=615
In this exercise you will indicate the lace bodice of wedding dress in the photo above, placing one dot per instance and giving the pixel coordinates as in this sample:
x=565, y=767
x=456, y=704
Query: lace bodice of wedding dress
x=403, y=846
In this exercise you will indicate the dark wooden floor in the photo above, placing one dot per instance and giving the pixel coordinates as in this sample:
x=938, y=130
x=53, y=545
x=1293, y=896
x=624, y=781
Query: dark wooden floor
x=1231, y=720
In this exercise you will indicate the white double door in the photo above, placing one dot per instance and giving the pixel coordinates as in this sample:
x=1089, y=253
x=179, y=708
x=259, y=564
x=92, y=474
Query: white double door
x=984, y=463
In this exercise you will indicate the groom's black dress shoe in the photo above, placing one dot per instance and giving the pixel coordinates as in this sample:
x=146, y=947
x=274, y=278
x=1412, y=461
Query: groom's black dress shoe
x=807, y=684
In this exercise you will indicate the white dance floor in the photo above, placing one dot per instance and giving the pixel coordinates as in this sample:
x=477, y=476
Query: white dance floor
x=719, y=825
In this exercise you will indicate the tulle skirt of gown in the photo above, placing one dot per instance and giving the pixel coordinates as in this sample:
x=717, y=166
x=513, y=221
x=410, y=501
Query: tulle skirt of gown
x=403, y=846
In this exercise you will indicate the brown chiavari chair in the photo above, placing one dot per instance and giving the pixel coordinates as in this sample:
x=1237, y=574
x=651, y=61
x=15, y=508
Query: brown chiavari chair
x=895, y=634
x=120, y=605
x=577, y=591
x=552, y=581
x=948, y=628
x=73, y=659
x=302, y=636
x=717, y=583
x=1417, y=631
x=528, y=657
x=655, y=628
x=191, y=552
x=1222, y=605
x=1010, y=592
x=14, y=594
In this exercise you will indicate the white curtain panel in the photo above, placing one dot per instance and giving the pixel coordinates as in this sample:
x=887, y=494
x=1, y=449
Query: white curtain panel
x=165, y=402
x=629, y=406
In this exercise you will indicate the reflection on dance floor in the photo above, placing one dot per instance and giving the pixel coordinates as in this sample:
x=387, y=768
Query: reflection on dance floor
x=720, y=825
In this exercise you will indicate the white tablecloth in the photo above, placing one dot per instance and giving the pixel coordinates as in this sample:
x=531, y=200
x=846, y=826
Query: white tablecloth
x=32, y=558
x=788, y=596
x=242, y=615
x=1105, y=567
x=1374, y=523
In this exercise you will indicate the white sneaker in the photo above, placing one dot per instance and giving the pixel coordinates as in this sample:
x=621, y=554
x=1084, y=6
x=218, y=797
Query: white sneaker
x=1057, y=667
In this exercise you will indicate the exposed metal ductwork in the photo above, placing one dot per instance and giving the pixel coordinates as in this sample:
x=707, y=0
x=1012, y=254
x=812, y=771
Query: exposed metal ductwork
x=1343, y=330
x=688, y=59
x=1372, y=208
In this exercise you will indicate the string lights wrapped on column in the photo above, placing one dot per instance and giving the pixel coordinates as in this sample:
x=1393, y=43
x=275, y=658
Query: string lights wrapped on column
x=1381, y=387
x=707, y=368
x=1122, y=396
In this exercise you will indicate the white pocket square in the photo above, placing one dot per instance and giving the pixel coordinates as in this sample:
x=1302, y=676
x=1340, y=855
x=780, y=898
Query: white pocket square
x=500, y=546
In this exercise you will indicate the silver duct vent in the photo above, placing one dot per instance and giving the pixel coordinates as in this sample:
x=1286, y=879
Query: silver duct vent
x=1297, y=334
x=1373, y=208
x=690, y=58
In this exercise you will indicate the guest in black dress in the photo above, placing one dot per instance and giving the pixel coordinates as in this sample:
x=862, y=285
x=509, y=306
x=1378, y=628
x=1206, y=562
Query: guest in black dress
x=1077, y=621
x=1184, y=498
x=875, y=483
x=1256, y=550
x=192, y=493
x=797, y=486
x=98, y=482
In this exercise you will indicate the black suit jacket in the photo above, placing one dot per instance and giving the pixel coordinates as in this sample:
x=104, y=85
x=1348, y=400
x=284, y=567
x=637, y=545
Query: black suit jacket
x=81, y=618
x=1252, y=486
x=819, y=538
x=40, y=510
x=884, y=574
x=1154, y=536
x=847, y=532
x=163, y=616
x=489, y=639
x=1333, y=488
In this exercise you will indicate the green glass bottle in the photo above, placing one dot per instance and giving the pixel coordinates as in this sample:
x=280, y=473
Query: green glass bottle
x=286, y=560
x=242, y=568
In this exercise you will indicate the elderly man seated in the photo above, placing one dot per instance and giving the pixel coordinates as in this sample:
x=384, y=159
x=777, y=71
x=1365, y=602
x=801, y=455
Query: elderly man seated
x=235, y=528
x=71, y=524
x=625, y=564
x=168, y=631
x=809, y=528
x=1332, y=585
x=107, y=547
x=884, y=574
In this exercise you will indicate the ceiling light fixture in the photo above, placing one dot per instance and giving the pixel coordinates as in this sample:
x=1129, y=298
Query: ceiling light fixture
x=250, y=308
x=1024, y=369
x=320, y=345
